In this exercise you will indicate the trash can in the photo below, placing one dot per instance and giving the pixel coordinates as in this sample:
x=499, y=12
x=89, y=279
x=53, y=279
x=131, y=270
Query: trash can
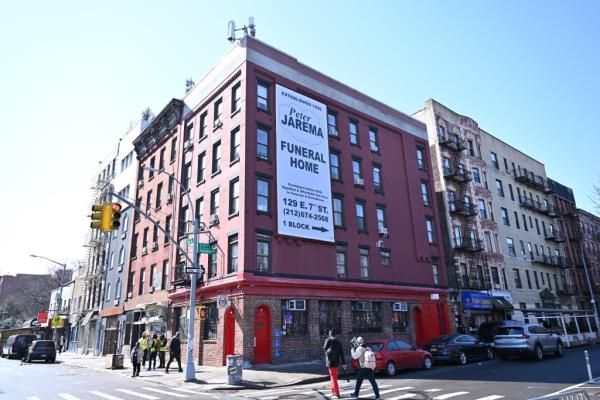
x=113, y=361
x=234, y=369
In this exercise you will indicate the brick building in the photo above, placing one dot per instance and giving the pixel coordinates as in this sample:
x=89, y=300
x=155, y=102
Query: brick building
x=586, y=248
x=366, y=260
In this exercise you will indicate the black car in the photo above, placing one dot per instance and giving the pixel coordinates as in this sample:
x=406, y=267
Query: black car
x=16, y=346
x=459, y=348
x=41, y=350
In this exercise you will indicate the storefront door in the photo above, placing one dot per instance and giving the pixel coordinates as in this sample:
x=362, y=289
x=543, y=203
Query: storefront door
x=229, y=345
x=262, y=335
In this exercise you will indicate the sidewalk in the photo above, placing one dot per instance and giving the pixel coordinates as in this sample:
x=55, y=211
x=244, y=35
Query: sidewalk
x=215, y=378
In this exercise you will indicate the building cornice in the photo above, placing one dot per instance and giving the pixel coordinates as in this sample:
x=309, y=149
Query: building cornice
x=165, y=123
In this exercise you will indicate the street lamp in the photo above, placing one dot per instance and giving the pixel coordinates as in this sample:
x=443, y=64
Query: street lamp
x=190, y=369
x=59, y=295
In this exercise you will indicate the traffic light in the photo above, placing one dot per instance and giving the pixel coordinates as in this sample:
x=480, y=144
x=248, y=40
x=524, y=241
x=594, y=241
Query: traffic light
x=202, y=312
x=97, y=214
x=114, y=216
x=106, y=216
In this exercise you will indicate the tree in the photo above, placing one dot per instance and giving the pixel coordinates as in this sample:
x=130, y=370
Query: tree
x=595, y=197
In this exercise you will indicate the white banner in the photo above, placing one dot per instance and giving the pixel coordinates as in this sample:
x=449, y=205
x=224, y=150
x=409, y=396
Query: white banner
x=303, y=182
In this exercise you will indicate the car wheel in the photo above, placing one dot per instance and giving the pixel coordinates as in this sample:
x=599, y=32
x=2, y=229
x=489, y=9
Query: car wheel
x=538, y=352
x=489, y=354
x=427, y=363
x=462, y=358
x=390, y=368
x=560, y=350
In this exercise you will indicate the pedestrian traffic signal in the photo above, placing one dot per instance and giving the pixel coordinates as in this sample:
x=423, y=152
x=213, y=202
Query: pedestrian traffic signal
x=115, y=216
x=97, y=214
x=202, y=312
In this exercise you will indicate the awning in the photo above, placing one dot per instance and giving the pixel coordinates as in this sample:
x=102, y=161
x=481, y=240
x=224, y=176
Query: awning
x=29, y=323
x=87, y=318
x=500, y=303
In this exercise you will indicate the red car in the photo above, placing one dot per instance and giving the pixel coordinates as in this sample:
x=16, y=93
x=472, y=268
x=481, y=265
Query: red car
x=393, y=355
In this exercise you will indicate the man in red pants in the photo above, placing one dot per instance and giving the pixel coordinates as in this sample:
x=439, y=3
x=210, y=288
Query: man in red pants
x=334, y=357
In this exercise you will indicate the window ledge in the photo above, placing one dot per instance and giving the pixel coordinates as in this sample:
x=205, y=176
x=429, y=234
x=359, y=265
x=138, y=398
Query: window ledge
x=376, y=152
x=235, y=161
x=379, y=191
x=150, y=178
x=158, y=207
x=263, y=110
x=202, y=138
x=201, y=182
x=343, y=227
x=259, y=158
x=171, y=161
x=266, y=213
x=363, y=232
x=235, y=112
x=358, y=185
x=235, y=214
x=216, y=173
x=355, y=145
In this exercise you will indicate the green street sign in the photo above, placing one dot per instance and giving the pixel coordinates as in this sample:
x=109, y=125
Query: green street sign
x=206, y=248
x=189, y=241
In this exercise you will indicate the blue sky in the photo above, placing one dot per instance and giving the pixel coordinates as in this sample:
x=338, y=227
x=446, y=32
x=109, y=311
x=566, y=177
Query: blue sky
x=73, y=75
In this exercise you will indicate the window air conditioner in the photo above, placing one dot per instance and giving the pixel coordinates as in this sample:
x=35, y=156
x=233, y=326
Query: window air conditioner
x=332, y=131
x=218, y=123
x=116, y=302
x=141, y=183
x=296, y=305
x=364, y=306
x=154, y=245
x=359, y=181
x=379, y=243
x=188, y=144
x=214, y=220
x=129, y=295
x=151, y=289
x=400, y=306
x=383, y=232
x=144, y=250
x=169, y=197
x=497, y=286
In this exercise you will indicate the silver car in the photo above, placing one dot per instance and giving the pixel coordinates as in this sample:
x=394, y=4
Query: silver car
x=527, y=339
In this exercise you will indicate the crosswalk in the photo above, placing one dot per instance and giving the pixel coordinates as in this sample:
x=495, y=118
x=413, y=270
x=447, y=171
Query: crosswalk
x=143, y=392
x=386, y=390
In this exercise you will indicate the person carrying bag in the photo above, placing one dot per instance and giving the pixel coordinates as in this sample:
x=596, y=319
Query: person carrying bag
x=366, y=367
x=334, y=357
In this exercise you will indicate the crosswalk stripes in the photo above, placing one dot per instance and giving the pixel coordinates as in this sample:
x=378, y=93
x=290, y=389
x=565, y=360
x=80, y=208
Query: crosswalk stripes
x=449, y=395
x=68, y=396
x=165, y=392
x=433, y=390
x=137, y=394
x=492, y=397
x=105, y=395
x=404, y=396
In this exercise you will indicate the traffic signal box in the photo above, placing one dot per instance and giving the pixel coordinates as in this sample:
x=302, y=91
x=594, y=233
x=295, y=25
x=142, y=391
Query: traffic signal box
x=202, y=312
x=106, y=216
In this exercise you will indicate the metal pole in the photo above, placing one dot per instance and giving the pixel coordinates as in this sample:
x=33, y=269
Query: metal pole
x=589, y=369
x=589, y=284
x=190, y=369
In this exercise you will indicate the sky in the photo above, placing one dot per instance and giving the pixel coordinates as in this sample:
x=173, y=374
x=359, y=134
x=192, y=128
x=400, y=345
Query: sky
x=74, y=75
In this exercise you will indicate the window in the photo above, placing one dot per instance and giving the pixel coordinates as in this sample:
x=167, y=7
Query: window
x=340, y=260
x=187, y=176
x=234, y=153
x=142, y=281
x=366, y=317
x=334, y=163
x=263, y=253
x=159, y=195
x=517, y=220
x=201, y=167
x=293, y=322
x=471, y=148
x=518, y=283
x=488, y=241
x=364, y=263
x=118, y=288
x=482, y=209
x=214, y=202
x=155, y=237
x=436, y=274
x=386, y=258
x=528, y=279
x=234, y=196
x=121, y=260
x=457, y=236
x=476, y=176
x=330, y=316
x=494, y=159
x=165, y=275
x=377, y=182
x=188, y=133
x=151, y=172
x=168, y=228
x=442, y=133
x=537, y=226
x=235, y=97
x=332, y=123
x=530, y=250
x=338, y=212
x=353, y=129
x=425, y=193
x=373, y=140
x=399, y=322
x=218, y=110
x=212, y=262
x=106, y=294
x=522, y=244
x=381, y=224
x=361, y=223
x=524, y=222
x=149, y=201
x=495, y=275
x=421, y=158
x=203, y=124
x=510, y=190
x=216, y=157
x=211, y=322
x=262, y=143
x=232, y=254
x=262, y=96
x=511, y=247
x=173, y=149
x=452, y=200
x=171, y=183
x=430, y=230
x=154, y=277
x=537, y=282
x=145, y=240
x=262, y=196
x=356, y=172
x=504, y=214
x=499, y=188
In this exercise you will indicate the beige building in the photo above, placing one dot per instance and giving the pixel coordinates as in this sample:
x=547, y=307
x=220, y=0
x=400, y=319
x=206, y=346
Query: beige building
x=503, y=250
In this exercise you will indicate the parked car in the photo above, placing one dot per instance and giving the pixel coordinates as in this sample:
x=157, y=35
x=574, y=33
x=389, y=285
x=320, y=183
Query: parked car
x=487, y=330
x=459, y=348
x=41, y=350
x=16, y=346
x=527, y=339
x=392, y=355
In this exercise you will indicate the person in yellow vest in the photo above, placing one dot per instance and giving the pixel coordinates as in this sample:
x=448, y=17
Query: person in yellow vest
x=143, y=341
x=154, y=344
x=162, y=351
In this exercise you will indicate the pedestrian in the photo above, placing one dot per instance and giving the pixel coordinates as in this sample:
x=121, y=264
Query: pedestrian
x=143, y=342
x=61, y=344
x=136, y=357
x=366, y=367
x=174, y=352
x=153, y=351
x=334, y=357
x=162, y=351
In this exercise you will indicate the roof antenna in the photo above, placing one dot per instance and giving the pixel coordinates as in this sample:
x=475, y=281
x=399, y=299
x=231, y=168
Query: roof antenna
x=249, y=29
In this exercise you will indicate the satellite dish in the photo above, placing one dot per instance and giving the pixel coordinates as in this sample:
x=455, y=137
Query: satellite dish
x=231, y=31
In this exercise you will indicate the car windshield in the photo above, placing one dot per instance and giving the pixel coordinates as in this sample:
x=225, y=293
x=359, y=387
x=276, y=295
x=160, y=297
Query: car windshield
x=21, y=340
x=375, y=346
x=441, y=339
x=510, y=330
x=44, y=345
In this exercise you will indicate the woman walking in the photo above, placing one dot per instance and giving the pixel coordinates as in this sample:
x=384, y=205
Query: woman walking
x=334, y=357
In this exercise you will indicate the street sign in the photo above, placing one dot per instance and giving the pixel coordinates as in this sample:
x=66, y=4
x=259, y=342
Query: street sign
x=190, y=270
x=206, y=248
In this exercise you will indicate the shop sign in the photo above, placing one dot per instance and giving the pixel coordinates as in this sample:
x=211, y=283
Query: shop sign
x=42, y=317
x=476, y=300
x=303, y=181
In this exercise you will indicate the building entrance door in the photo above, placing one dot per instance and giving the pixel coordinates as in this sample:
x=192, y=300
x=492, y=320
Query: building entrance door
x=262, y=335
x=229, y=344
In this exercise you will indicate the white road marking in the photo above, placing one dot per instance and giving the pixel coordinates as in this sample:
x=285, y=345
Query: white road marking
x=395, y=390
x=191, y=391
x=433, y=390
x=142, y=395
x=362, y=388
x=166, y=392
x=33, y=398
x=404, y=396
x=449, y=395
x=68, y=396
x=105, y=395
x=492, y=397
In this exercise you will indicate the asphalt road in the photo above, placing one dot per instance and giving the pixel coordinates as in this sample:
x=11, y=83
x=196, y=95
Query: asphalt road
x=517, y=379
